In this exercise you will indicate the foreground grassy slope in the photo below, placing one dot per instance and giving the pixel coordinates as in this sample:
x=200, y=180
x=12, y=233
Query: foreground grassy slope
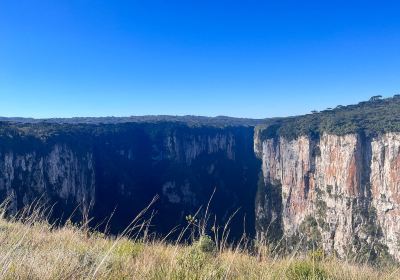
x=33, y=249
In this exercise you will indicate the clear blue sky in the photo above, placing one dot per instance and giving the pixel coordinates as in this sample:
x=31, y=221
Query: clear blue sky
x=222, y=57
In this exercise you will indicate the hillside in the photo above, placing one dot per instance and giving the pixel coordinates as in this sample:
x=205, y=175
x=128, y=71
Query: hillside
x=33, y=249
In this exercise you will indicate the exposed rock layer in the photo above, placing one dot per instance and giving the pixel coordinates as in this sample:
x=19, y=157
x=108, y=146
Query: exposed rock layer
x=347, y=185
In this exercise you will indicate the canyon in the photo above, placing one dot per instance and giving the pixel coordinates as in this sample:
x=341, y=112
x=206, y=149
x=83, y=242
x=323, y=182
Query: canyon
x=99, y=170
x=326, y=180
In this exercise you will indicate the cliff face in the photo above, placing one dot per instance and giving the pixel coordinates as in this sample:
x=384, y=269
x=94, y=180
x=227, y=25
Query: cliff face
x=31, y=171
x=345, y=188
x=119, y=168
x=338, y=190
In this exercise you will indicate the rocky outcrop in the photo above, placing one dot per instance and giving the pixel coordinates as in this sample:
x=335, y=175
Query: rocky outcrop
x=346, y=187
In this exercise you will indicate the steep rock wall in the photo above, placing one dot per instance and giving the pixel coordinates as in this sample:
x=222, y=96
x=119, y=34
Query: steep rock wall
x=346, y=187
x=59, y=175
x=105, y=169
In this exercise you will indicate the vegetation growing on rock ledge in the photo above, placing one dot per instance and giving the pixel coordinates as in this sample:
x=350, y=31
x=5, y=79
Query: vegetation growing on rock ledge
x=371, y=118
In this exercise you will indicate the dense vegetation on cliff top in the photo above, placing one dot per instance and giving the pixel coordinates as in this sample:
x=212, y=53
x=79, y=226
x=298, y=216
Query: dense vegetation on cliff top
x=89, y=127
x=193, y=121
x=370, y=118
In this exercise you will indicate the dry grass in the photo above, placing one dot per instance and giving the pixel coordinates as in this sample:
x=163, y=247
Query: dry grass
x=33, y=249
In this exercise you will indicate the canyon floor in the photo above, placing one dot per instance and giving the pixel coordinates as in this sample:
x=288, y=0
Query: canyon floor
x=31, y=248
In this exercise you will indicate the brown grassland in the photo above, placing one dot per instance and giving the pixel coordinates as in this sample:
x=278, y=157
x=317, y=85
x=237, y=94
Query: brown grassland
x=32, y=248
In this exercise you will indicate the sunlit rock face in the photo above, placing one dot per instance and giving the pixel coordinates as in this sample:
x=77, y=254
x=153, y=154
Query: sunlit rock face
x=385, y=188
x=347, y=186
x=99, y=170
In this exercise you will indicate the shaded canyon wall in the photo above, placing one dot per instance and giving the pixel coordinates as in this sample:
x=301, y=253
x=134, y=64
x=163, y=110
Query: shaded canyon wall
x=103, y=169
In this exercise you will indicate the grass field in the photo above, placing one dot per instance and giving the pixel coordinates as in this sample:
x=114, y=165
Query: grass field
x=31, y=248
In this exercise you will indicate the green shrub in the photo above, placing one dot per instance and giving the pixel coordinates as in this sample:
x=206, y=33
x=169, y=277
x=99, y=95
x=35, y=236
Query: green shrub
x=317, y=255
x=310, y=232
x=205, y=244
x=305, y=270
x=196, y=264
x=127, y=248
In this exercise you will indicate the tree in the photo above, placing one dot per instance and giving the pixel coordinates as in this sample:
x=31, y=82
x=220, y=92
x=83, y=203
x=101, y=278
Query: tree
x=375, y=98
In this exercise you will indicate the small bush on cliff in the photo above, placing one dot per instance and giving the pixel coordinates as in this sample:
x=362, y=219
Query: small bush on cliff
x=317, y=255
x=205, y=244
x=196, y=260
x=127, y=248
x=310, y=233
x=305, y=270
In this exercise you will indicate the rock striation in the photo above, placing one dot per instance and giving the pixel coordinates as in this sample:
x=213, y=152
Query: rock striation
x=345, y=186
